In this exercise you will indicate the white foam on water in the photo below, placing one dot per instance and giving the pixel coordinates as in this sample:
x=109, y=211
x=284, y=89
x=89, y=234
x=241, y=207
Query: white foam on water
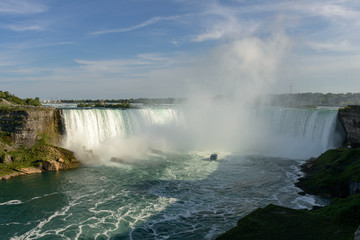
x=11, y=202
x=35, y=233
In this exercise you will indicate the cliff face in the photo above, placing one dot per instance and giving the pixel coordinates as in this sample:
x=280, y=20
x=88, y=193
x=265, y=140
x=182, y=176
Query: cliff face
x=28, y=142
x=350, y=118
x=26, y=126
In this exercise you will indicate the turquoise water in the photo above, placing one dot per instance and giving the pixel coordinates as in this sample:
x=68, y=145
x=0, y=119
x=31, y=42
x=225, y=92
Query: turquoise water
x=162, y=196
x=173, y=192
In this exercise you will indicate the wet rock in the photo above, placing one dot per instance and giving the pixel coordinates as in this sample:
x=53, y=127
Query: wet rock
x=357, y=234
x=350, y=119
x=7, y=159
x=30, y=170
x=316, y=207
x=50, y=165
x=116, y=159
x=6, y=177
x=157, y=151
x=354, y=187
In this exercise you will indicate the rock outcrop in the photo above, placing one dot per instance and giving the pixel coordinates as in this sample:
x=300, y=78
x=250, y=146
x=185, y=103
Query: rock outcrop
x=50, y=158
x=28, y=142
x=25, y=125
x=357, y=234
x=354, y=187
x=335, y=173
x=350, y=119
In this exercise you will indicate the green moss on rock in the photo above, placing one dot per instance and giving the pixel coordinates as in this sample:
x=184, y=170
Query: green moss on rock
x=40, y=155
x=331, y=173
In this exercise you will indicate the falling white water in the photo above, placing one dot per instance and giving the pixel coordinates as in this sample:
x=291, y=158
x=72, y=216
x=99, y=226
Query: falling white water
x=297, y=133
x=107, y=133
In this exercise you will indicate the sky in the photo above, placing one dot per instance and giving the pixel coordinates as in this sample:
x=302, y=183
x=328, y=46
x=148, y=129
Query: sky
x=113, y=49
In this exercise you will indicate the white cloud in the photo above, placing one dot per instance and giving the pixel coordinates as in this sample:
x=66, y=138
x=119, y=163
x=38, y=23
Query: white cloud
x=333, y=46
x=227, y=29
x=332, y=10
x=132, y=66
x=135, y=27
x=20, y=28
x=21, y=7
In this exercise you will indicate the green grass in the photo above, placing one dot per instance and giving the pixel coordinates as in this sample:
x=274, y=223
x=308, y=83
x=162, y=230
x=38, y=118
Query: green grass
x=331, y=172
x=346, y=211
x=280, y=223
x=30, y=157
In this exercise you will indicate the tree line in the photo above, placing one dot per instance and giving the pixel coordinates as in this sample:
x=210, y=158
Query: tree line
x=314, y=99
x=16, y=100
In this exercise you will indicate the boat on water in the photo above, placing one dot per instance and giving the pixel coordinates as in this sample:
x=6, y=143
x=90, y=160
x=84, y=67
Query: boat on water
x=213, y=156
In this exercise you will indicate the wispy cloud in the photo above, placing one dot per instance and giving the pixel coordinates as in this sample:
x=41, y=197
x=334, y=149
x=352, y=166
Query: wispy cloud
x=333, y=46
x=21, y=28
x=230, y=28
x=140, y=63
x=55, y=44
x=222, y=21
x=138, y=26
x=21, y=7
x=334, y=10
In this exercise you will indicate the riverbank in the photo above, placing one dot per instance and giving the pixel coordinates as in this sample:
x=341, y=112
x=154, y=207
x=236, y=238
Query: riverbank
x=19, y=160
x=29, y=138
x=335, y=174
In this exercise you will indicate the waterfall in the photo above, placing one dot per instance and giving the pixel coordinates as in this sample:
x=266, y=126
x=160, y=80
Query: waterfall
x=300, y=133
x=90, y=127
x=295, y=133
x=105, y=133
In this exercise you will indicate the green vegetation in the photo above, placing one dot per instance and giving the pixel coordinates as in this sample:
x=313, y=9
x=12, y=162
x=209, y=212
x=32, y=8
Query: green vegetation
x=350, y=108
x=18, y=101
x=313, y=99
x=331, y=173
x=146, y=101
x=23, y=157
x=280, y=223
x=123, y=105
x=344, y=210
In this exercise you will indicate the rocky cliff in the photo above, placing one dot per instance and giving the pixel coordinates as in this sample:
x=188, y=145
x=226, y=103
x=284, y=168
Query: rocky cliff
x=350, y=119
x=27, y=125
x=28, y=142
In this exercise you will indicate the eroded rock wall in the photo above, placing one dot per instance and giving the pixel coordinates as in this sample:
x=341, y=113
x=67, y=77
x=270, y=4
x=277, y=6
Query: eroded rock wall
x=25, y=126
x=350, y=119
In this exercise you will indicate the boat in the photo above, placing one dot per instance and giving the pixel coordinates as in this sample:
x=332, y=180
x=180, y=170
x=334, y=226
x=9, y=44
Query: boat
x=213, y=156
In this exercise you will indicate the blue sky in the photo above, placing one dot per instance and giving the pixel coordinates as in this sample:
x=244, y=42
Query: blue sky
x=163, y=48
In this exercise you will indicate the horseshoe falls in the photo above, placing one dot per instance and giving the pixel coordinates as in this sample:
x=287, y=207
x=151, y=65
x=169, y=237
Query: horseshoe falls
x=295, y=133
x=147, y=173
